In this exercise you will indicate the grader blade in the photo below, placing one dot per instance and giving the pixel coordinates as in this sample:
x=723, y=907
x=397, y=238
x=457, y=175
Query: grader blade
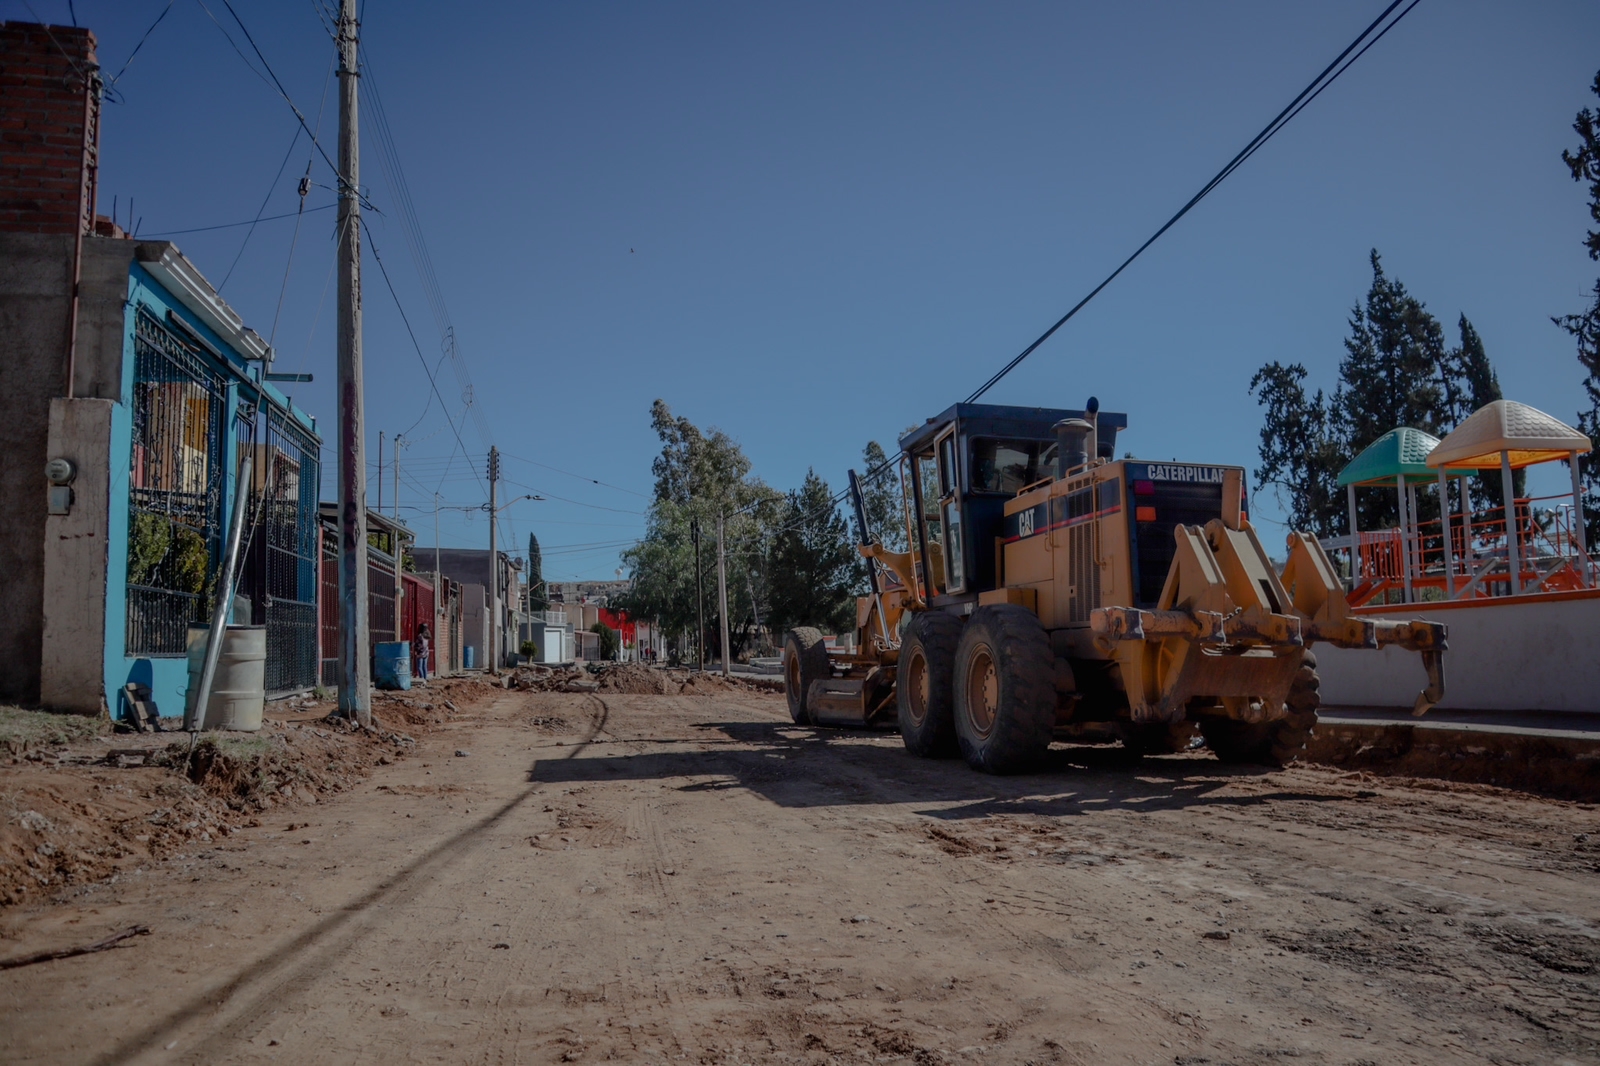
x=1228, y=626
x=838, y=701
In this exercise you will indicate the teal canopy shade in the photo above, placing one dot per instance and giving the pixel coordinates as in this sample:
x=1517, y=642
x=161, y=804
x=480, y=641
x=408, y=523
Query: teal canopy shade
x=1398, y=452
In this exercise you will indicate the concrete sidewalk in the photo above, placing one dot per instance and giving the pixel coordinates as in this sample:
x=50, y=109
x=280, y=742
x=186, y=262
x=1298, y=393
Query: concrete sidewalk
x=1571, y=725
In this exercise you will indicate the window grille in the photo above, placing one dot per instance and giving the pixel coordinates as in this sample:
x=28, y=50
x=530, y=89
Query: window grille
x=175, y=489
x=290, y=466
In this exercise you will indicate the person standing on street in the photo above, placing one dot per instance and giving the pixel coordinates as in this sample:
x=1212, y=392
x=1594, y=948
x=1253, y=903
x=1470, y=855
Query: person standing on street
x=419, y=652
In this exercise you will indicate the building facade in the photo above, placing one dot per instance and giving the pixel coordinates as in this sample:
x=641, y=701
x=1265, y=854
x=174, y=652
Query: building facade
x=129, y=394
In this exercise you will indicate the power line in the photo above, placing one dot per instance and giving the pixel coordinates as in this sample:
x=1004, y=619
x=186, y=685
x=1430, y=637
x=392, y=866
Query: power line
x=1320, y=82
x=303, y=188
x=274, y=81
x=416, y=243
x=580, y=477
x=272, y=188
x=1326, y=77
x=129, y=62
x=376, y=258
x=236, y=225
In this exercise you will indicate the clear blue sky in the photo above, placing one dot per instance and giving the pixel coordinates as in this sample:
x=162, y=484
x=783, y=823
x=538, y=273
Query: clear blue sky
x=815, y=224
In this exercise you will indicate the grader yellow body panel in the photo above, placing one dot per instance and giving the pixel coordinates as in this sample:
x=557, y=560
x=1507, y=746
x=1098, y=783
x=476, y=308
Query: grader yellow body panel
x=1051, y=591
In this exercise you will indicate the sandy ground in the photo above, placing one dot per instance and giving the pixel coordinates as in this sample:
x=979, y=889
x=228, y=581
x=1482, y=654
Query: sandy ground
x=589, y=877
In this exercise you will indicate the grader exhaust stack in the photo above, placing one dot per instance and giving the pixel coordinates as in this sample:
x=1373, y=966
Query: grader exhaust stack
x=1050, y=591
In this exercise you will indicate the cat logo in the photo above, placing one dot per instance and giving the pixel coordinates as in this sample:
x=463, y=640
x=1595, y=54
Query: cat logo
x=1025, y=523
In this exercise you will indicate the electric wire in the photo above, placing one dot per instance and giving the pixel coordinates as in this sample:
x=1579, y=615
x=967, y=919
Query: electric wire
x=303, y=189
x=416, y=242
x=372, y=245
x=236, y=225
x=271, y=78
x=129, y=61
x=262, y=210
x=1326, y=77
x=1321, y=81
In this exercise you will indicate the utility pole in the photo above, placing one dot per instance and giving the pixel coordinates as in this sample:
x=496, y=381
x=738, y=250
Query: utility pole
x=397, y=439
x=380, y=471
x=438, y=605
x=355, y=679
x=699, y=601
x=722, y=593
x=494, y=565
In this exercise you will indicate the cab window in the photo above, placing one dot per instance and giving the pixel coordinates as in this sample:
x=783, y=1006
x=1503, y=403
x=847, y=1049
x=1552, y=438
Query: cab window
x=1007, y=466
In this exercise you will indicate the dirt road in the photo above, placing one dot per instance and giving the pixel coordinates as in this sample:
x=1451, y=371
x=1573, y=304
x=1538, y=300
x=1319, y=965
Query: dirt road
x=565, y=878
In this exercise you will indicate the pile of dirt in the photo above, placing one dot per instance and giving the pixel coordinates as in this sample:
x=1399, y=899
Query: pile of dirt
x=1563, y=767
x=80, y=805
x=635, y=679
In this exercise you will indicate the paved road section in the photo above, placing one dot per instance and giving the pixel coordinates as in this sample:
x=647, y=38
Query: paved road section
x=694, y=879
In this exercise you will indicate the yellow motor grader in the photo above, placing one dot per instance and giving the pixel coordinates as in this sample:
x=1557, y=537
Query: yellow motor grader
x=1053, y=592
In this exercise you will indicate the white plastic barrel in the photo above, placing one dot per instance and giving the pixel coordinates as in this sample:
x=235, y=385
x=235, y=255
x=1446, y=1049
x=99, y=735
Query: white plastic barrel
x=239, y=689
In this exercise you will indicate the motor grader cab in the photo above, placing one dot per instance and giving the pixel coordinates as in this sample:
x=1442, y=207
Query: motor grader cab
x=1051, y=591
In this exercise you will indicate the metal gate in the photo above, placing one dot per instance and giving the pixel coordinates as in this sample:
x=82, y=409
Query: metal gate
x=175, y=489
x=290, y=472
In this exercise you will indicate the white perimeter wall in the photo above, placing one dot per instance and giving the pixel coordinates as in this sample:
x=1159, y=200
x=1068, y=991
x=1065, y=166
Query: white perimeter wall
x=1529, y=654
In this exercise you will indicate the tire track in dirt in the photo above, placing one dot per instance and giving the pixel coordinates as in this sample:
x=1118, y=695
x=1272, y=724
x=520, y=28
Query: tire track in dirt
x=286, y=971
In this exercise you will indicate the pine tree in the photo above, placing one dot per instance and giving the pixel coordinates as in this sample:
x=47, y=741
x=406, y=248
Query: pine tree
x=538, y=593
x=815, y=568
x=1585, y=327
x=1391, y=373
x=1471, y=383
x=1300, y=456
x=881, y=496
x=1396, y=372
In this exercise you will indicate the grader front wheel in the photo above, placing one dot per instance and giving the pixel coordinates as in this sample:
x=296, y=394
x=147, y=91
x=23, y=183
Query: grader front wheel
x=1274, y=743
x=805, y=659
x=1005, y=700
x=923, y=691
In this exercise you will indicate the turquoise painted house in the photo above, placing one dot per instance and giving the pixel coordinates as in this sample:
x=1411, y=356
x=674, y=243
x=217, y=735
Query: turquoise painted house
x=194, y=403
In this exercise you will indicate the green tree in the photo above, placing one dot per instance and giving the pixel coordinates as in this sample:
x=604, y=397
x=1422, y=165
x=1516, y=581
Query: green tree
x=1300, y=454
x=880, y=495
x=1396, y=372
x=1472, y=383
x=700, y=475
x=1585, y=326
x=538, y=592
x=815, y=568
x=1395, y=368
x=609, y=640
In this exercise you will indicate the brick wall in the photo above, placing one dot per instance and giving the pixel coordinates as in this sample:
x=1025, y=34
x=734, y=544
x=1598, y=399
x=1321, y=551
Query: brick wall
x=49, y=85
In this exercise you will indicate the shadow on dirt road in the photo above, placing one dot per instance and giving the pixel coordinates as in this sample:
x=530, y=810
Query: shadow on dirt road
x=795, y=766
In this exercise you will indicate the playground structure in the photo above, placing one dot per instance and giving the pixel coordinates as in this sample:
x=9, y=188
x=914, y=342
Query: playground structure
x=1542, y=549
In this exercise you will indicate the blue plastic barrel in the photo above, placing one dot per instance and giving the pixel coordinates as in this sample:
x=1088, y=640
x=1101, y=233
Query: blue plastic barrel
x=392, y=665
x=469, y=659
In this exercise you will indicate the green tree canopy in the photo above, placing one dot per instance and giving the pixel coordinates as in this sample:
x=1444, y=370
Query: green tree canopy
x=815, y=569
x=886, y=519
x=700, y=475
x=538, y=592
x=1396, y=372
x=1585, y=326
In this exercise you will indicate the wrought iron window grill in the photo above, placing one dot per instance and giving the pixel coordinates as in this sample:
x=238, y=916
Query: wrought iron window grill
x=175, y=488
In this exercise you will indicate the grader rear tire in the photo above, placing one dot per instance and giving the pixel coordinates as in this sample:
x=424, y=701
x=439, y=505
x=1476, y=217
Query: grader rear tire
x=1275, y=743
x=923, y=688
x=1005, y=690
x=805, y=659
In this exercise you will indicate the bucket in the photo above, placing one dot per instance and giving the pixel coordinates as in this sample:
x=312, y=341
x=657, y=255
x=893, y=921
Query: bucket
x=469, y=656
x=391, y=664
x=238, y=691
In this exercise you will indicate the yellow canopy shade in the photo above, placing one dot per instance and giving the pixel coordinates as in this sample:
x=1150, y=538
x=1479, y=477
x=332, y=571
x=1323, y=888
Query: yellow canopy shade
x=1527, y=433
